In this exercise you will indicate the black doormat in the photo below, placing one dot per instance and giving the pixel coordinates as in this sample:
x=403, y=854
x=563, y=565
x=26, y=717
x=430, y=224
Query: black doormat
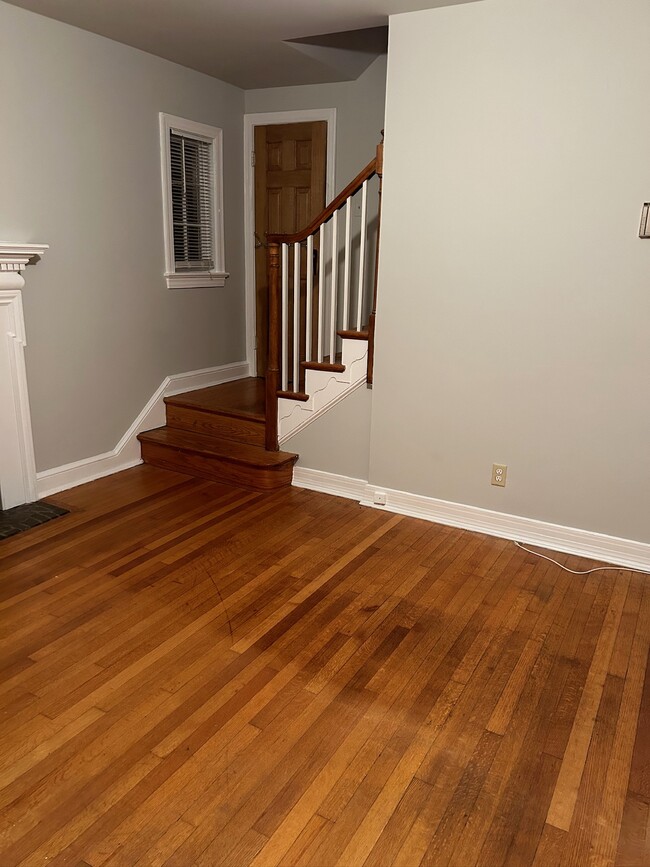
x=25, y=517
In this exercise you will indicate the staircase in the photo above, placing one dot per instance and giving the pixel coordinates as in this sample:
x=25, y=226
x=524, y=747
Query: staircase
x=322, y=309
x=325, y=384
x=218, y=433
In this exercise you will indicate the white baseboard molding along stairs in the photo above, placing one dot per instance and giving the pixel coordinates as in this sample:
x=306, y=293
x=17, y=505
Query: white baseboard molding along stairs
x=569, y=540
x=126, y=453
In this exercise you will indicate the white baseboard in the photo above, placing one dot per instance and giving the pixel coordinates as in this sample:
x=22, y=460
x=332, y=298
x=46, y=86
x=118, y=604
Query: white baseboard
x=329, y=483
x=569, y=540
x=127, y=452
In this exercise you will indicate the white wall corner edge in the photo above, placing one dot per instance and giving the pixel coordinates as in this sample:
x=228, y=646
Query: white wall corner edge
x=126, y=453
x=626, y=553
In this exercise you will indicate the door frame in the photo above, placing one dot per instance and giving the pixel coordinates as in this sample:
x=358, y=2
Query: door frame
x=268, y=118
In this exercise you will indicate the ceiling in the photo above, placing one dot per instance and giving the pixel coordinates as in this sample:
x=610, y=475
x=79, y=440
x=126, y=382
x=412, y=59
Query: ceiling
x=249, y=43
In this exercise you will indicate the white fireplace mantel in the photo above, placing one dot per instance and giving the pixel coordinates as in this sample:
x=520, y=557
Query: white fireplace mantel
x=17, y=466
x=14, y=258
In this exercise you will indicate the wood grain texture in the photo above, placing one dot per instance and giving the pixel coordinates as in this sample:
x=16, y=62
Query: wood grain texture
x=351, y=334
x=323, y=365
x=290, y=182
x=242, y=398
x=353, y=187
x=197, y=674
x=218, y=425
x=222, y=433
x=207, y=456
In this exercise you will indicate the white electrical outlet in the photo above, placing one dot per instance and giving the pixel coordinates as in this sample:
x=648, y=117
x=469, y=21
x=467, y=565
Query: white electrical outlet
x=499, y=473
x=380, y=498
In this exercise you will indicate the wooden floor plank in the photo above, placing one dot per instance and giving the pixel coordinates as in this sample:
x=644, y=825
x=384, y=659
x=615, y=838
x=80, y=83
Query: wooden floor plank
x=566, y=792
x=582, y=831
x=610, y=808
x=196, y=674
x=499, y=794
x=634, y=838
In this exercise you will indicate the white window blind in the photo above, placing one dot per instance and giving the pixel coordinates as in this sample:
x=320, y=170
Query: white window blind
x=192, y=185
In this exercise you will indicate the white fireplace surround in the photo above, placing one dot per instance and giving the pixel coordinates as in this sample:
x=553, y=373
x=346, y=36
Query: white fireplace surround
x=17, y=467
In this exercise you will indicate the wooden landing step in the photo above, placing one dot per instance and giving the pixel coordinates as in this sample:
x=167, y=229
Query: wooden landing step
x=215, y=458
x=242, y=398
x=233, y=410
x=218, y=433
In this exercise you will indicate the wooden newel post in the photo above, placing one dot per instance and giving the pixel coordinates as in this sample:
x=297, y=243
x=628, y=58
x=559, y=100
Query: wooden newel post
x=273, y=362
x=373, y=312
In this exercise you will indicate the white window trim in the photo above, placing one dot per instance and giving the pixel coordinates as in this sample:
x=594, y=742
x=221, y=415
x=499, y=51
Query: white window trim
x=202, y=279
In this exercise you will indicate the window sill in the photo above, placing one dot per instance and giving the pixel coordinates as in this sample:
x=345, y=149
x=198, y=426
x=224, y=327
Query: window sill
x=211, y=280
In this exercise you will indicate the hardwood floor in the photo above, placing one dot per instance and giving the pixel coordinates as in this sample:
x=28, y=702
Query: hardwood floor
x=194, y=674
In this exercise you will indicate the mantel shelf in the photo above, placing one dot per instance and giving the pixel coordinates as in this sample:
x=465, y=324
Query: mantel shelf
x=16, y=257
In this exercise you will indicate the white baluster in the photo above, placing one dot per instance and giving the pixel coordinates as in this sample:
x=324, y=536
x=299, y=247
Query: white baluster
x=362, y=252
x=296, y=316
x=333, y=299
x=346, y=267
x=310, y=291
x=321, y=291
x=285, y=317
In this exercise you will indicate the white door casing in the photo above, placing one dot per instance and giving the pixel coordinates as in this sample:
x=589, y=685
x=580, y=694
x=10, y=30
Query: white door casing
x=17, y=466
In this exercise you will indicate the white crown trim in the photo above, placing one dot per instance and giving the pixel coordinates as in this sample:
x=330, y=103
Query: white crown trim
x=16, y=257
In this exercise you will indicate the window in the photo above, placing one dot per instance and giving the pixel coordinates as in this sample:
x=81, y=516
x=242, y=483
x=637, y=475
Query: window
x=192, y=177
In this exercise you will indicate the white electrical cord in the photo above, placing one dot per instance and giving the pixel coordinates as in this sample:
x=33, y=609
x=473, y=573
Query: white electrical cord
x=586, y=571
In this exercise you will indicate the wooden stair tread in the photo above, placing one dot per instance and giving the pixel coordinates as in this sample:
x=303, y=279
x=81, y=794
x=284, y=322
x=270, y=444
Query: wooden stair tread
x=322, y=365
x=242, y=398
x=215, y=447
x=353, y=335
x=294, y=395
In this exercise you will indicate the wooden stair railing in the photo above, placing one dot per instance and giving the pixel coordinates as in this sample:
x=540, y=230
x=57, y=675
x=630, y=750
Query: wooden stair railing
x=310, y=320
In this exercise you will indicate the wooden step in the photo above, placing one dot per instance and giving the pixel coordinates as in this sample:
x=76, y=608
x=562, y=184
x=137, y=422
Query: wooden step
x=216, y=423
x=353, y=335
x=234, y=410
x=322, y=365
x=218, y=459
x=242, y=398
x=294, y=395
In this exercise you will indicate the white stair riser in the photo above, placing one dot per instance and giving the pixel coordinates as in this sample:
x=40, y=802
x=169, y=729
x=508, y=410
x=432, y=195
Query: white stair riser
x=325, y=388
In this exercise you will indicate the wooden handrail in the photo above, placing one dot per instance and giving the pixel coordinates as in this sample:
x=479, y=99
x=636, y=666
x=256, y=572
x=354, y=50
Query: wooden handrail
x=352, y=188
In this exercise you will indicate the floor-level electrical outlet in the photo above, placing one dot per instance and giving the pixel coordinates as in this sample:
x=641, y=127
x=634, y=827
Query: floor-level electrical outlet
x=499, y=473
x=379, y=499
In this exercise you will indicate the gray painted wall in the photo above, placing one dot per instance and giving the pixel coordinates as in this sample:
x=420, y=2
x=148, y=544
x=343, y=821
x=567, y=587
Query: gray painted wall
x=337, y=442
x=81, y=171
x=514, y=296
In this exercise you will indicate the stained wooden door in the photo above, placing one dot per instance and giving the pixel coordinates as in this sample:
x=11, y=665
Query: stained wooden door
x=289, y=193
